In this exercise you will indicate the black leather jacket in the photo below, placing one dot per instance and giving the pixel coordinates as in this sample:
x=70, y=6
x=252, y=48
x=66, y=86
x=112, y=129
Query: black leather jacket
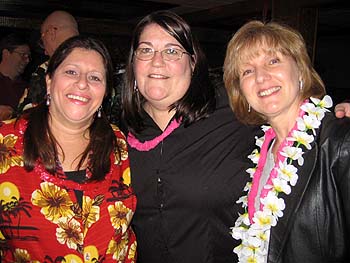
x=316, y=222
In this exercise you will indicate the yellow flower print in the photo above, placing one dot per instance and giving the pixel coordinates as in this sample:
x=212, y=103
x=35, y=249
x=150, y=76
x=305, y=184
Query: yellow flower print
x=127, y=177
x=54, y=202
x=118, y=249
x=21, y=255
x=69, y=232
x=71, y=258
x=122, y=154
x=115, y=127
x=2, y=238
x=90, y=254
x=132, y=251
x=122, y=148
x=91, y=212
x=120, y=216
x=8, y=155
x=9, y=121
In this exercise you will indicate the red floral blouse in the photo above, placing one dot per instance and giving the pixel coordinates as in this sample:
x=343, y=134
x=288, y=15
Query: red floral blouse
x=41, y=219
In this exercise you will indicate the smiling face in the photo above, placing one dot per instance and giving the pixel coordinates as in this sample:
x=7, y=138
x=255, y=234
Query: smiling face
x=162, y=82
x=77, y=87
x=270, y=83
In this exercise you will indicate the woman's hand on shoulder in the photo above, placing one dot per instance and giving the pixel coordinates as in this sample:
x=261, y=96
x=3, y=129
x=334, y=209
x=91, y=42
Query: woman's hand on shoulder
x=342, y=110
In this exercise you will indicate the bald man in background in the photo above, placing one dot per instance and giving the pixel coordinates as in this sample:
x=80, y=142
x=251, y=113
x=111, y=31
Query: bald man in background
x=55, y=29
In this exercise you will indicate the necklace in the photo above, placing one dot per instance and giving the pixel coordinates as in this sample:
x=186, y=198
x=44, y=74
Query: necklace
x=253, y=227
x=149, y=145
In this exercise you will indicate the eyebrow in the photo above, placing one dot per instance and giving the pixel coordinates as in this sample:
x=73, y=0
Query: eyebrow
x=166, y=45
x=77, y=65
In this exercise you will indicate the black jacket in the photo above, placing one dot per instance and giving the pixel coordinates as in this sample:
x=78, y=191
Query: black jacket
x=316, y=222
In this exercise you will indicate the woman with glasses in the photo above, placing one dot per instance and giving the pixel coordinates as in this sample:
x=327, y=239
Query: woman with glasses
x=187, y=151
x=184, y=146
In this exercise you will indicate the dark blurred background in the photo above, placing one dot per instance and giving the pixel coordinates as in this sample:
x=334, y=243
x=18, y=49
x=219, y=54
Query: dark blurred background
x=324, y=24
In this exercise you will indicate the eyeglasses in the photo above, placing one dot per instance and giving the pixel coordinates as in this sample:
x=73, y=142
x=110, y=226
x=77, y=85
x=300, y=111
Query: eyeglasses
x=23, y=55
x=169, y=54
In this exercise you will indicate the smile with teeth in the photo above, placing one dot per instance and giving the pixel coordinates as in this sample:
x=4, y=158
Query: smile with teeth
x=157, y=76
x=268, y=91
x=75, y=97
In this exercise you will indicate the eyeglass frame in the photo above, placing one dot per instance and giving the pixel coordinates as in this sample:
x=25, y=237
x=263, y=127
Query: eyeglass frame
x=23, y=55
x=161, y=53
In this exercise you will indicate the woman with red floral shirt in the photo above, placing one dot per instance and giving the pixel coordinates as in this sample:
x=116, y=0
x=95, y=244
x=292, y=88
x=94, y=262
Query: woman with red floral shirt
x=64, y=171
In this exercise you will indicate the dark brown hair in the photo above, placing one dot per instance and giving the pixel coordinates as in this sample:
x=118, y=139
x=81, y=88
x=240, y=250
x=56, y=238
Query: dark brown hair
x=39, y=142
x=199, y=100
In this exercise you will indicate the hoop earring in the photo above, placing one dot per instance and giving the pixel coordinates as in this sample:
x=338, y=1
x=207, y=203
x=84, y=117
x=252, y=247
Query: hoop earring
x=99, y=112
x=249, y=108
x=48, y=100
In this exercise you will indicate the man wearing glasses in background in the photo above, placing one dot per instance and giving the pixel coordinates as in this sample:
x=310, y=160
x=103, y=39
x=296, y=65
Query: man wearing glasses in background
x=14, y=56
x=55, y=29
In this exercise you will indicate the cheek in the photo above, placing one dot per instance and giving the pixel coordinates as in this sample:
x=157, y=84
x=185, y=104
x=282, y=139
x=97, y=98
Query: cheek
x=57, y=85
x=247, y=90
x=244, y=86
x=52, y=87
x=291, y=81
x=138, y=70
x=100, y=92
x=139, y=65
x=182, y=75
x=183, y=69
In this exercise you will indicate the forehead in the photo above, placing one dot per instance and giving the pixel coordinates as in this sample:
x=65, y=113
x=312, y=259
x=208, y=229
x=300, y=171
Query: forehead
x=85, y=58
x=255, y=49
x=22, y=48
x=155, y=34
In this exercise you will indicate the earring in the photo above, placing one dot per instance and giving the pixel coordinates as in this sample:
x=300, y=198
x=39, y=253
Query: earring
x=99, y=112
x=48, y=100
x=135, y=86
x=301, y=85
x=249, y=108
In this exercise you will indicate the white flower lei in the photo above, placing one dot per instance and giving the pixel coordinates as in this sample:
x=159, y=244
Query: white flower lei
x=254, y=235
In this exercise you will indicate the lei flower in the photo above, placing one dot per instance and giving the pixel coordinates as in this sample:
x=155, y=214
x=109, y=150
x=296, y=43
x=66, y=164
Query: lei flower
x=253, y=227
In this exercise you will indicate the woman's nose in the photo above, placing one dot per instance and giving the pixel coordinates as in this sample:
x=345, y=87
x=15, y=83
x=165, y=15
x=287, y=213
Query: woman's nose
x=82, y=81
x=261, y=75
x=157, y=59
